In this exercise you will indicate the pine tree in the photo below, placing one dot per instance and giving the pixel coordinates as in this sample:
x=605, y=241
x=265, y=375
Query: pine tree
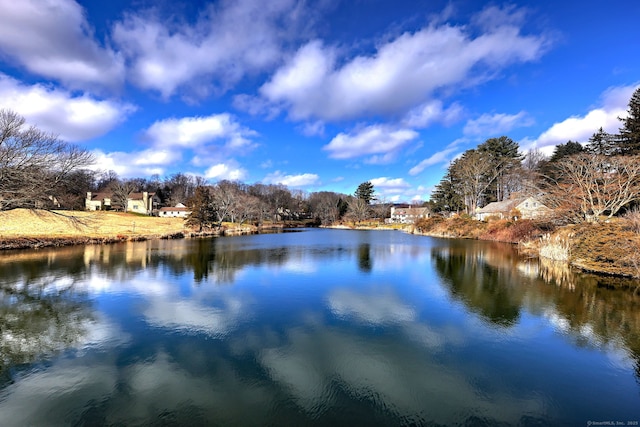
x=602, y=143
x=365, y=192
x=202, y=214
x=630, y=130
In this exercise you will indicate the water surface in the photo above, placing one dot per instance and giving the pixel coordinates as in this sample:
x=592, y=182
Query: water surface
x=318, y=327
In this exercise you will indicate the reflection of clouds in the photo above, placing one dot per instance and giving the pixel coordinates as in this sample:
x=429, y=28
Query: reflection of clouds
x=397, y=377
x=192, y=316
x=102, y=334
x=55, y=394
x=139, y=394
x=373, y=308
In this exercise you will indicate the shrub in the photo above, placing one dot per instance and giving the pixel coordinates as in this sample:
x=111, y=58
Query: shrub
x=632, y=220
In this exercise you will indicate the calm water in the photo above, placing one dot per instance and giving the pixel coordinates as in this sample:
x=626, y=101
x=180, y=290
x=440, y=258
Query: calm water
x=319, y=327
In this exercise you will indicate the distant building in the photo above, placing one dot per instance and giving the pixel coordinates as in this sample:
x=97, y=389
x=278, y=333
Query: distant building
x=144, y=202
x=408, y=214
x=528, y=207
x=177, y=211
x=101, y=201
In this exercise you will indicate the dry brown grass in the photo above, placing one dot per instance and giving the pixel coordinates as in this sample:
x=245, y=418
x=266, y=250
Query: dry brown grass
x=20, y=223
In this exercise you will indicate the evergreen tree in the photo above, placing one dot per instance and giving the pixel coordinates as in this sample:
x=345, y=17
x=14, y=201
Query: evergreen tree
x=629, y=137
x=202, y=212
x=504, y=156
x=564, y=150
x=365, y=192
x=602, y=143
x=444, y=197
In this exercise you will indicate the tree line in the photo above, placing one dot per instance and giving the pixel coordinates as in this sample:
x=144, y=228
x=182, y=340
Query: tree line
x=580, y=182
x=38, y=170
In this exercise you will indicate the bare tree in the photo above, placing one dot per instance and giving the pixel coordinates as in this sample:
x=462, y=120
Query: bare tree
x=225, y=196
x=591, y=185
x=34, y=165
x=324, y=206
x=474, y=173
x=359, y=209
x=121, y=191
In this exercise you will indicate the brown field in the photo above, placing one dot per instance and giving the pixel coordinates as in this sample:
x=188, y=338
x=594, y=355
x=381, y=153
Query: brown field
x=20, y=223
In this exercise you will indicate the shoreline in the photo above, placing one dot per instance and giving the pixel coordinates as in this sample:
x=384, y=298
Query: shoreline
x=589, y=248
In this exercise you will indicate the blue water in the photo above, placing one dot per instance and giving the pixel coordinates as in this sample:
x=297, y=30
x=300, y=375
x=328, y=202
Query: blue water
x=315, y=327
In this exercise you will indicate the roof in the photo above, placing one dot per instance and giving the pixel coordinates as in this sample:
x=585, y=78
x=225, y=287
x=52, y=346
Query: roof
x=411, y=211
x=504, y=206
x=507, y=205
x=174, y=209
x=101, y=195
x=139, y=196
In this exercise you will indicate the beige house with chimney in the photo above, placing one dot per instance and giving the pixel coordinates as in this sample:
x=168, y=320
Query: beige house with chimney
x=143, y=203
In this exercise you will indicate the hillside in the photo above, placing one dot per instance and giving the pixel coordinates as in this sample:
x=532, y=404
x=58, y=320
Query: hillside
x=32, y=228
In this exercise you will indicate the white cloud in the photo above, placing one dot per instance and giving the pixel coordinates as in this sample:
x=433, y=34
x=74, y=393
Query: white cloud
x=192, y=132
x=301, y=180
x=439, y=157
x=229, y=170
x=213, y=53
x=72, y=117
x=432, y=112
x=389, y=185
x=380, y=141
x=52, y=38
x=397, y=190
x=578, y=128
x=134, y=164
x=496, y=124
x=402, y=73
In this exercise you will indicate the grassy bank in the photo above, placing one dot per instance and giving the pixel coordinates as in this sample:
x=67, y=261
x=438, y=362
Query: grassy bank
x=24, y=228
x=606, y=247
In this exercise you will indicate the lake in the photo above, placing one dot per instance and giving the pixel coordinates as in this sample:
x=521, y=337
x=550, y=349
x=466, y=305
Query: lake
x=313, y=327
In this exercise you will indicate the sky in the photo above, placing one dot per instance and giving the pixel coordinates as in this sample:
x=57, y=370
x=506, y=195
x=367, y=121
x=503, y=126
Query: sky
x=316, y=95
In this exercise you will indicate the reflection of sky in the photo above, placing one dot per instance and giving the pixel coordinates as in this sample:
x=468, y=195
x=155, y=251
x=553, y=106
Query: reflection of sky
x=307, y=336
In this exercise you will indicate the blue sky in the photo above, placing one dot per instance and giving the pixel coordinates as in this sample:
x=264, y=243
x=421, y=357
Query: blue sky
x=316, y=95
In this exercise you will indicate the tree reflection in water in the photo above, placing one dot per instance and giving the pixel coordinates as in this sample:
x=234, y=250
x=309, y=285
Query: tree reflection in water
x=591, y=310
x=38, y=320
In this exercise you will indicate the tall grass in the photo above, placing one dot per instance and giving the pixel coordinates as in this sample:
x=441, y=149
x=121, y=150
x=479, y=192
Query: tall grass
x=556, y=248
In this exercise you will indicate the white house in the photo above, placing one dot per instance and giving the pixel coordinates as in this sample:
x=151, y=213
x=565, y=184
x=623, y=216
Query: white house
x=177, y=211
x=408, y=215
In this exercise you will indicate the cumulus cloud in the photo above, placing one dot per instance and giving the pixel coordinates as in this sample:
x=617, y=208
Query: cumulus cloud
x=403, y=73
x=213, y=51
x=52, y=38
x=382, y=142
x=73, y=117
x=136, y=163
x=301, y=180
x=496, y=124
x=397, y=190
x=389, y=185
x=191, y=132
x=229, y=170
x=614, y=102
